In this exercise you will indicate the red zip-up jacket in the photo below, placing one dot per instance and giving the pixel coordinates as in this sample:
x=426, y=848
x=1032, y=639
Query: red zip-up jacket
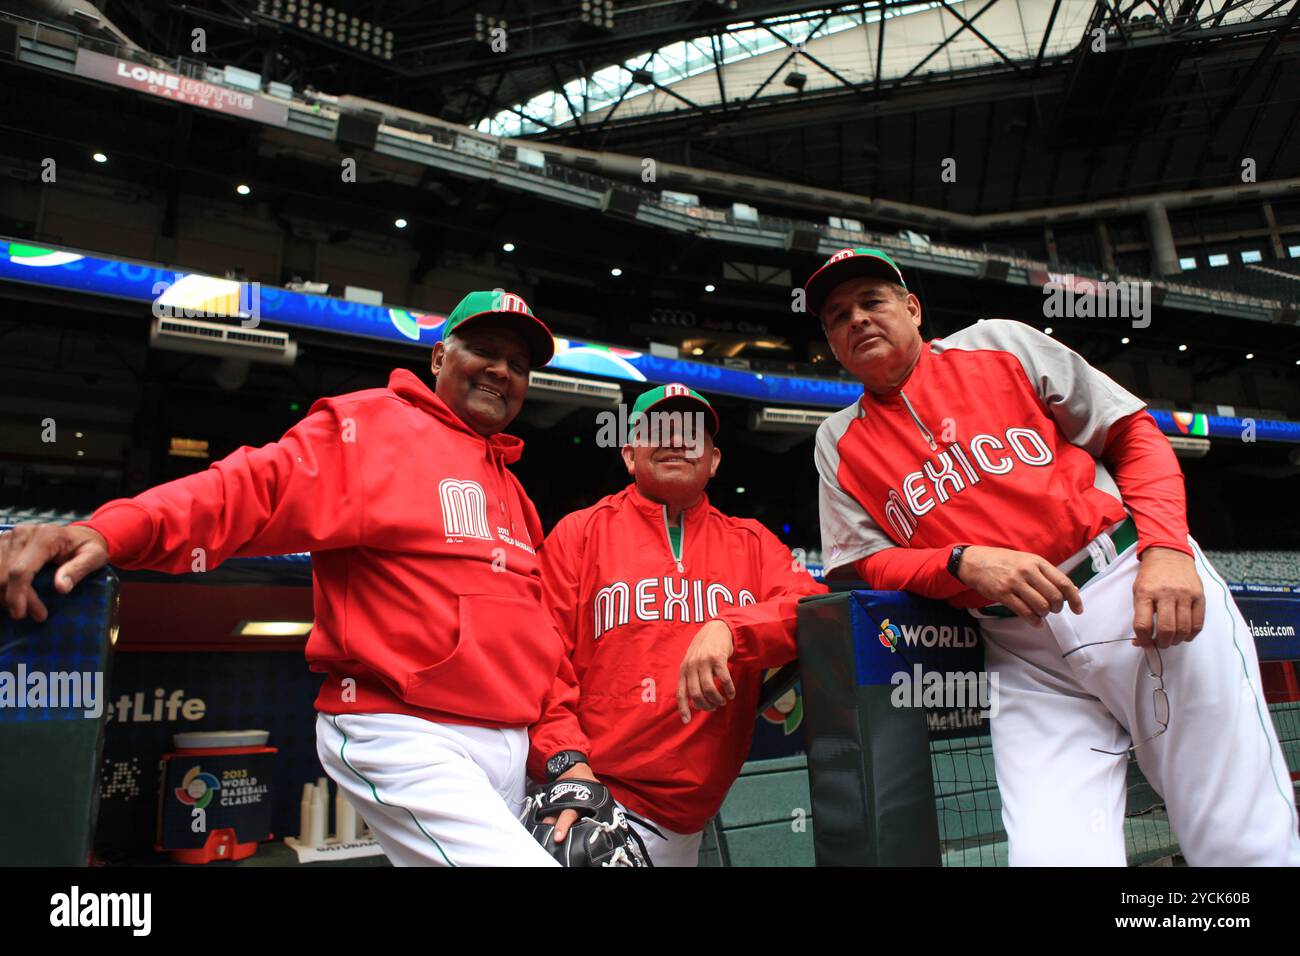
x=628, y=609
x=999, y=436
x=426, y=586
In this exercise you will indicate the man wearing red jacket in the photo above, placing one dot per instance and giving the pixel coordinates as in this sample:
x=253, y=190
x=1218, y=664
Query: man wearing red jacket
x=999, y=471
x=428, y=626
x=629, y=582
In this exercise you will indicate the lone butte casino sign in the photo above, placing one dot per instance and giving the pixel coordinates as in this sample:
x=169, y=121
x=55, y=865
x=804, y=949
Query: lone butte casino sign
x=180, y=89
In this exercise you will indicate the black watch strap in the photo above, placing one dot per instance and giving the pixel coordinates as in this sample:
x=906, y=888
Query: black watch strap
x=562, y=762
x=954, y=560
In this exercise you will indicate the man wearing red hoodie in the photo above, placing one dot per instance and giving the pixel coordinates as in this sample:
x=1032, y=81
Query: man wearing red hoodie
x=629, y=581
x=428, y=627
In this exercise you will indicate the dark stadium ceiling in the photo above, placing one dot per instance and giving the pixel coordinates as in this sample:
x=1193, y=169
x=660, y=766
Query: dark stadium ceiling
x=1184, y=91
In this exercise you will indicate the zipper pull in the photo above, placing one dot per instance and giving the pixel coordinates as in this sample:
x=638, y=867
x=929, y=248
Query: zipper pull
x=680, y=569
x=920, y=425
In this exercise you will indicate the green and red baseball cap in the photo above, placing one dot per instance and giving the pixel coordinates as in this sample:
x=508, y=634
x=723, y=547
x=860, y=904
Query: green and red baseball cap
x=674, y=397
x=513, y=311
x=849, y=264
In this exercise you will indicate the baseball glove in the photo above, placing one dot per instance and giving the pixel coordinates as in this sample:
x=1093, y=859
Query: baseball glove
x=600, y=836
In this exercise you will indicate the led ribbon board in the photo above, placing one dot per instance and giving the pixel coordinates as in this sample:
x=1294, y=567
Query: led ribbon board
x=57, y=268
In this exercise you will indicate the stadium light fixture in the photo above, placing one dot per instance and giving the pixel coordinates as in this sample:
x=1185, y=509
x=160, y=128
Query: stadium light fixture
x=99, y=157
x=597, y=13
x=188, y=447
x=1048, y=330
x=242, y=189
x=1250, y=355
x=332, y=25
x=1125, y=340
x=273, y=628
x=484, y=24
x=1182, y=348
x=616, y=271
x=399, y=223
x=508, y=247
x=710, y=287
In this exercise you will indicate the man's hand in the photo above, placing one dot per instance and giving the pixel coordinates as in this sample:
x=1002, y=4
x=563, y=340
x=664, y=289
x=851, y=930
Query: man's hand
x=28, y=547
x=1027, y=584
x=569, y=817
x=1169, y=588
x=703, y=668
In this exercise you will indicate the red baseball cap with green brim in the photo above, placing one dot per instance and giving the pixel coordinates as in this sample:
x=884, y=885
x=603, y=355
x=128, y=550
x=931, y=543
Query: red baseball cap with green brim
x=513, y=311
x=849, y=264
x=674, y=395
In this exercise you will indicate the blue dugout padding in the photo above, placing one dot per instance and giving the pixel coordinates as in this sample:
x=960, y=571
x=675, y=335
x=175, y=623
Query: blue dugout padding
x=884, y=673
x=54, y=680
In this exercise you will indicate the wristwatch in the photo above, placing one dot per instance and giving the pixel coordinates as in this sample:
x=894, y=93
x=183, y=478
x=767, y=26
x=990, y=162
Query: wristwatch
x=954, y=560
x=563, y=762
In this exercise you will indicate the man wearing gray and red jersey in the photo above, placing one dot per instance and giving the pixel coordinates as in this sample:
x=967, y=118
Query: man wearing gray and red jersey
x=998, y=470
x=629, y=582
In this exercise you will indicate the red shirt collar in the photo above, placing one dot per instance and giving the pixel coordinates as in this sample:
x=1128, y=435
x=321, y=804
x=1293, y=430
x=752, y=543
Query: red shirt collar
x=655, y=509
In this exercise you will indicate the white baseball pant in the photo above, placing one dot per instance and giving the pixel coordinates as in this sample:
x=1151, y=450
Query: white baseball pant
x=1077, y=683
x=433, y=794
x=665, y=847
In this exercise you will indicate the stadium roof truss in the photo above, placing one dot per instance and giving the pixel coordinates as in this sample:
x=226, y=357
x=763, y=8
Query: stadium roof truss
x=849, y=96
x=857, y=48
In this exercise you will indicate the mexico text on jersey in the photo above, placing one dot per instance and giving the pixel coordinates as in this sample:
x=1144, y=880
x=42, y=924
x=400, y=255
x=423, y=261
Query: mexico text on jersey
x=993, y=438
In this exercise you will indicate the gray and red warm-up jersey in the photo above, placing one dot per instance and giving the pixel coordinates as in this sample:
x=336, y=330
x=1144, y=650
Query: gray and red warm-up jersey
x=1000, y=436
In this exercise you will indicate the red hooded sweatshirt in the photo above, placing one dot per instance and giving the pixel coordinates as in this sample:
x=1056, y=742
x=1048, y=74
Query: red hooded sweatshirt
x=426, y=586
x=628, y=609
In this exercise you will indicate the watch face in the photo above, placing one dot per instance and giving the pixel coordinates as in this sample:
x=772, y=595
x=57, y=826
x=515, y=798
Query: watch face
x=557, y=764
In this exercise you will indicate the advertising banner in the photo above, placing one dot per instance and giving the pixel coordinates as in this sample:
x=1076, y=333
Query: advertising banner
x=180, y=89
